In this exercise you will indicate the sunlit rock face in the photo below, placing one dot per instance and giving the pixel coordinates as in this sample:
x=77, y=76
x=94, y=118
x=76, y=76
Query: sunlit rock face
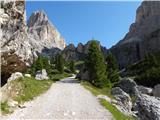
x=16, y=51
x=20, y=44
x=42, y=33
x=143, y=36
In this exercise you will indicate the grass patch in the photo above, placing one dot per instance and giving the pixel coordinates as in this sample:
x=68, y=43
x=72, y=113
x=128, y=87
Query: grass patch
x=118, y=115
x=5, y=108
x=31, y=88
x=115, y=112
x=57, y=77
x=79, y=63
x=97, y=91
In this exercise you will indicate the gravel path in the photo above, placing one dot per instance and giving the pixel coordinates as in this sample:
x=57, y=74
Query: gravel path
x=66, y=99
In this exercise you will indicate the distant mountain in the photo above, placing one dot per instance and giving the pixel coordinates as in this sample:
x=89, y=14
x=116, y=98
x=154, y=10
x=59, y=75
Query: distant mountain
x=80, y=52
x=143, y=36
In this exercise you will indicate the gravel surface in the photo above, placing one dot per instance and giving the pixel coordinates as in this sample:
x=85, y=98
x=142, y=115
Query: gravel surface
x=66, y=99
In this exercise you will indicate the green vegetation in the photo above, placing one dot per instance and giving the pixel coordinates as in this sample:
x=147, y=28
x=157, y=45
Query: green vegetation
x=54, y=67
x=57, y=77
x=77, y=63
x=97, y=91
x=72, y=66
x=112, y=68
x=59, y=63
x=30, y=88
x=40, y=63
x=106, y=91
x=147, y=71
x=115, y=112
x=5, y=109
x=96, y=66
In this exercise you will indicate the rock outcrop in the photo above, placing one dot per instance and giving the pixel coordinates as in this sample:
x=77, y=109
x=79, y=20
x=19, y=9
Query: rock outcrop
x=16, y=52
x=43, y=34
x=143, y=36
x=148, y=107
x=123, y=100
x=156, y=90
x=128, y=85
x=80, y=52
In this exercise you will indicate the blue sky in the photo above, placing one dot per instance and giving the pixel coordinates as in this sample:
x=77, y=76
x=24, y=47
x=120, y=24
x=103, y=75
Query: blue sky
x=77, y=22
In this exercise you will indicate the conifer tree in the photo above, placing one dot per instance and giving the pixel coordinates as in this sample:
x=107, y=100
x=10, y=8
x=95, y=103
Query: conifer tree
x=60, y=63
x=96, y=65
x=72, y=66
x=112, y=68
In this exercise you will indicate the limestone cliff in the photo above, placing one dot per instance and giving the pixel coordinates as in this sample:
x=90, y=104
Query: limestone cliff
x=42, y=33
x=143, y=36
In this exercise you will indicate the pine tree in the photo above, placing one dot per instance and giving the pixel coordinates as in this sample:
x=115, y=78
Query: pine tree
x=39, y=63
x=60, y=63
x=72, y=66
x=112, y=68
x=96, y=66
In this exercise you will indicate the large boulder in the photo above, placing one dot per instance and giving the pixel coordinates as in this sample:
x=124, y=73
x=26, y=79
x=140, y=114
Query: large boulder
x=15, y=76
x=41, y=75
x=123, y=100
x=128, y=85
x=156, y=90
x=148, y=107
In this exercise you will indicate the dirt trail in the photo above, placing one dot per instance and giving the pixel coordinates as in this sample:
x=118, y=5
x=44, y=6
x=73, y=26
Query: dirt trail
x=66, y=99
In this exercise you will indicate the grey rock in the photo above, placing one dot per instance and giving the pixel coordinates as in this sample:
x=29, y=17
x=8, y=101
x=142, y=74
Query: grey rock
x=123, y=100
x=156, y=90
x=15, y=76
x=27, y=75
x=143, y=36
x=41, y=75
x=145, y=90
x=148, y=107
x=128, y=85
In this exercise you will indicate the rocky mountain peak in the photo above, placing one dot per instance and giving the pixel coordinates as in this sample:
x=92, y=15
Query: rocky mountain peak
x=44, y=32
x=38, y=18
